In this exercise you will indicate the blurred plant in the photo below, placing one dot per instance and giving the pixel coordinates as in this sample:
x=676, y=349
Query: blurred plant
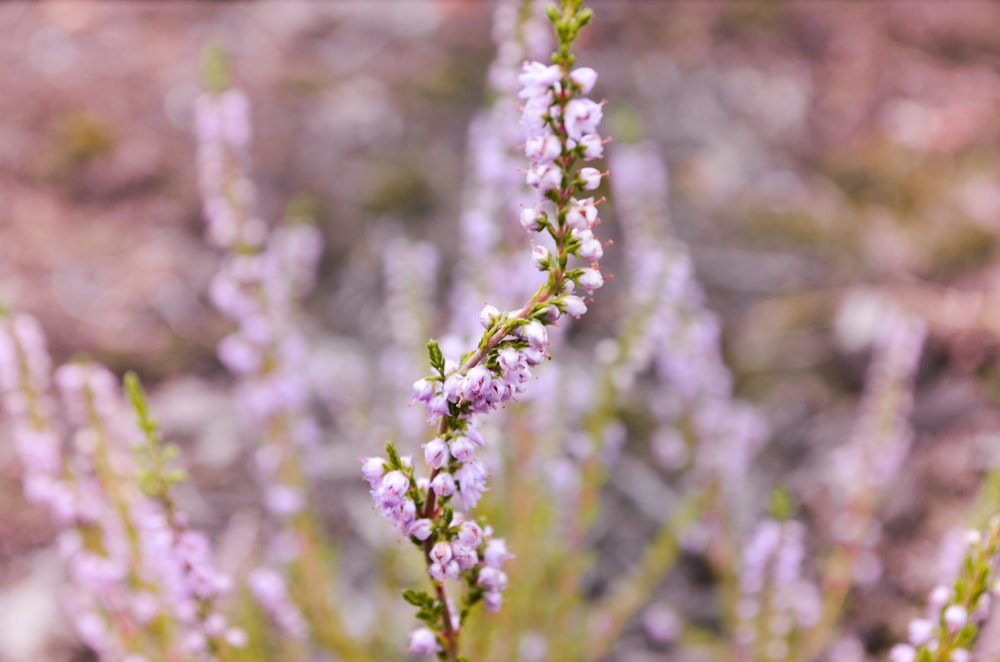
x=143, y=582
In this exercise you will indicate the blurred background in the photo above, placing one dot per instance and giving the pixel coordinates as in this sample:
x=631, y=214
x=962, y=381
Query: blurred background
x=814, y=149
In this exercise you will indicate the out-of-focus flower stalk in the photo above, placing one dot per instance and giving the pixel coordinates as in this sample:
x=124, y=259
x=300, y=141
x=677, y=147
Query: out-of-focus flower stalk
x=870, y=460
x=264, y=276
x=948, y=633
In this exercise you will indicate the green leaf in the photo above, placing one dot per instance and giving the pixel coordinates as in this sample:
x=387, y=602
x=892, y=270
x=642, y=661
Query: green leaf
x=215, y=71
x=437, y=357
x=418, y=598
x=395, y=462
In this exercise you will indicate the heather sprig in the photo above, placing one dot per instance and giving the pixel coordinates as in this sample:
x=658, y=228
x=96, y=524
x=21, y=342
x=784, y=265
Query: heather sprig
x=561, y=126
x=954, y=613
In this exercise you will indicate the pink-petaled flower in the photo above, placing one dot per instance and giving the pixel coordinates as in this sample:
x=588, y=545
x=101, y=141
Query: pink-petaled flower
x=476, y=382
x=543, y=149
x=536, y=335
x=470, y=533
x=902, y=653
x=582, y=117
x=423, y=642
x=471, y=479
x=582, y=215
x=590, y=280
x=465, y=555
x=536, y=79
x=496, y=553
x=540, y=254
x=544, y=177
x=585, y=78
x=393, y=488
x=441, y=552
x=920, y=631
x=590, y=178
x=591, y=147
x=591, y=250
x=530, y=219
x=420, y=529
x=955, y=617
x=488, y=315
x=372, y=468
x=462, y=449
x=443, y=484
x=423, y=390
x=573, y=306
x=436, y=453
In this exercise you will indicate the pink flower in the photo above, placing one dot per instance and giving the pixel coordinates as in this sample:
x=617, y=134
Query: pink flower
x=582, y=117
x=423, y=642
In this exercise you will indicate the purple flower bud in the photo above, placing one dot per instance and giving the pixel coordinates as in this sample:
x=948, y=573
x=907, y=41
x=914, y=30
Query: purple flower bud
x=536, y=78
x=436, y=453
x=496, y=553
x=473, y=434
x=476, y=382
x=394, y=487
x=509, y=359
x=591, y=146
x=902, y=653
x=372, y=469
x=533, y=356
x=536, y=335
x=441, y=552
x=920, y=631
x=492, y=579
x=420, y=529
x=544, y=178
x=955, y=617
x=465, y=555
x=585, y=77
x=582, y=117
x=493, y=600
x=488, y=315
x=423, y=390
x=590, y=250
x=438, y=406
x=543, y=149
x=529, y=219
x=540, y=254
x=423, y=642
x=443, y=484
x=573, y=306
x=591, y=178
x=590, y=280
x=462, y=449
x=582, y=214
x=470, y=533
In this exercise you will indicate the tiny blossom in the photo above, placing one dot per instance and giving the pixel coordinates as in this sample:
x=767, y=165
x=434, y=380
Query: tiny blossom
x=530, y=219
x=582, y=214
x=544, y=177
x=443, y=484
x=423, y=642
x=540, y=254
x=591, y=178
x=955, y=616
x=543, y=149
x=591, y=146
x=585, y=77
x=590, y=280
x=488, y=315
x=582, y=117
x=574, y=305
x=436, y=453
x=921, y=631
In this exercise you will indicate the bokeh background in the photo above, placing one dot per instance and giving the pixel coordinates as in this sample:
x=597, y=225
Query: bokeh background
x=815, y=150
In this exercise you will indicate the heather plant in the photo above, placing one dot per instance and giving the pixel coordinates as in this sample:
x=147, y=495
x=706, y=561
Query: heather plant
x=535, y=422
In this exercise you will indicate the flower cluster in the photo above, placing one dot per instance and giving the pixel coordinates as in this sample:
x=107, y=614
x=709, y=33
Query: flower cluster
x=775, y=598
x=562, y=131
x=130, y=555
x=948, y=632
